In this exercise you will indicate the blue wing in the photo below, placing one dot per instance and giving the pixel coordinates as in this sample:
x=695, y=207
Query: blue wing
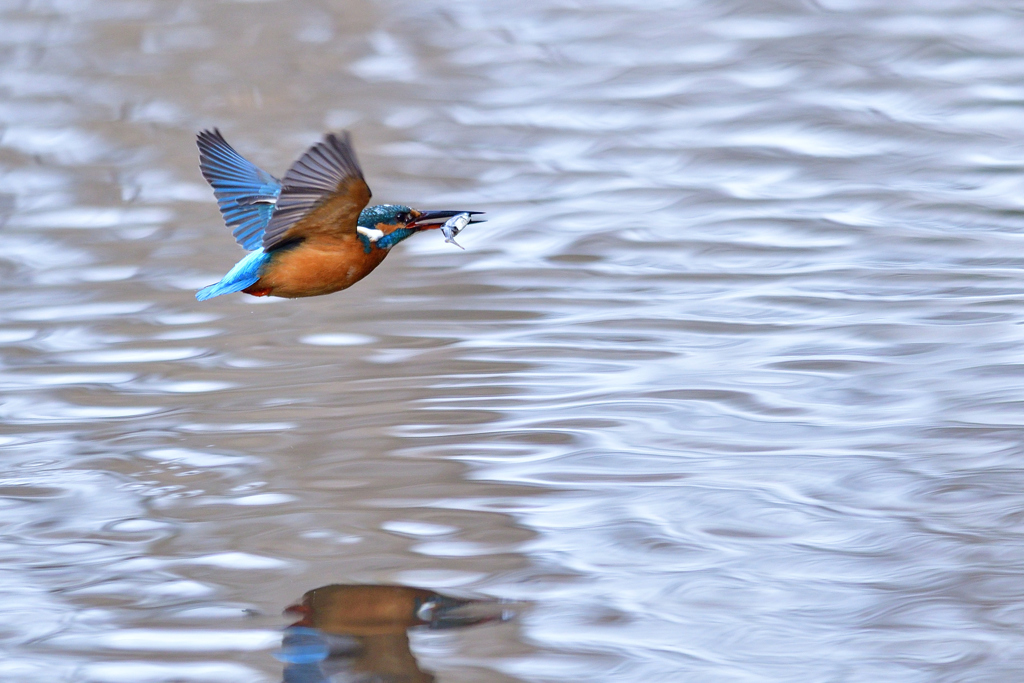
x=244, y=273
x=246, y=193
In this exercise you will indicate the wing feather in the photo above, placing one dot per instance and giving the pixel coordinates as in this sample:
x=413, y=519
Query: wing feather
x=322, y=194
x=245, y=193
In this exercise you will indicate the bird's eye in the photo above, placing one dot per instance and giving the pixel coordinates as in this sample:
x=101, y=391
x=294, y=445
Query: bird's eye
x=404, y=217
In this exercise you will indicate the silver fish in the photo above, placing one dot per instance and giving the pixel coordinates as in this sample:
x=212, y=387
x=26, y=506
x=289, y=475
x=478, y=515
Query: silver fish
x=453, y=226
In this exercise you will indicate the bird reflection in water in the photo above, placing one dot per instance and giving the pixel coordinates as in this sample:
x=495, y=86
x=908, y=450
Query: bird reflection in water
x=360, y=633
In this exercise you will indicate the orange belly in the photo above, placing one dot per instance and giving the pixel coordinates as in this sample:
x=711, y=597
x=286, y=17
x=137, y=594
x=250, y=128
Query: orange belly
x=312, y=270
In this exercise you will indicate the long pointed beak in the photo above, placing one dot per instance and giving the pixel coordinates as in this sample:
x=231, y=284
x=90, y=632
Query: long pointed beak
x=434, y=219
x=442, y=611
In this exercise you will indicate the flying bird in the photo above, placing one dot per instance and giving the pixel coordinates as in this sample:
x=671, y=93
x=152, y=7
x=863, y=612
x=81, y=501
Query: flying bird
x=310, y=233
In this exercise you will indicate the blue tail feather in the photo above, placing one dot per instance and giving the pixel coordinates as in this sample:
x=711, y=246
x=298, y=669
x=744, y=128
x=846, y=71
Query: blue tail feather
x=244, y=274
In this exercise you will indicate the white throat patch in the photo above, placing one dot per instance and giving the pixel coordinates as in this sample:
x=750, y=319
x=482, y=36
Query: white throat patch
x=370, y=233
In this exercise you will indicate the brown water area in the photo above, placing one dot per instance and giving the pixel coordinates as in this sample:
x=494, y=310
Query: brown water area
x=728, y=388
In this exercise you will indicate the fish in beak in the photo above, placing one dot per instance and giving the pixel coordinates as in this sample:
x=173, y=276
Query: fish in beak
x=451, y=223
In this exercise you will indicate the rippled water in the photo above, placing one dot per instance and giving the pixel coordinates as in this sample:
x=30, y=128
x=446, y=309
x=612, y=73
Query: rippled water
x=727, y=389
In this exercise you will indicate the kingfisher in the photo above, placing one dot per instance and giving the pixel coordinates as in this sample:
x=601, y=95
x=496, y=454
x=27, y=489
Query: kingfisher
x=360, y=633
x=310, y=233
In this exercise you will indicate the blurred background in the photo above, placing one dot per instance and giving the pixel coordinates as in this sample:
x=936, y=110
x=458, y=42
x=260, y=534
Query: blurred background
x=727, y=389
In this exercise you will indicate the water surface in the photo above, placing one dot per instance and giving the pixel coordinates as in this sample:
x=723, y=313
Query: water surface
x=727, y=389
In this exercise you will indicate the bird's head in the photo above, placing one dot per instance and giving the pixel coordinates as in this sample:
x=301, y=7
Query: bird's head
x=395, y=222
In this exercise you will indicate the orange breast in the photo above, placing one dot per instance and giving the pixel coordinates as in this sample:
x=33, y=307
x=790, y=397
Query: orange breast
x=312, y=269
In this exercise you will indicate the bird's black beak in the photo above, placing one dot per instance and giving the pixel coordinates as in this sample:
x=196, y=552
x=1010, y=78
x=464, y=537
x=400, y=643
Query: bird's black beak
x=442, y=611
x=435, y=219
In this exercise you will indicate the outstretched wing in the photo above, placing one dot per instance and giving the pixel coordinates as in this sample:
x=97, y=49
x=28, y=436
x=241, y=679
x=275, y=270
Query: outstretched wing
x=323, y=193
x=246, y=193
